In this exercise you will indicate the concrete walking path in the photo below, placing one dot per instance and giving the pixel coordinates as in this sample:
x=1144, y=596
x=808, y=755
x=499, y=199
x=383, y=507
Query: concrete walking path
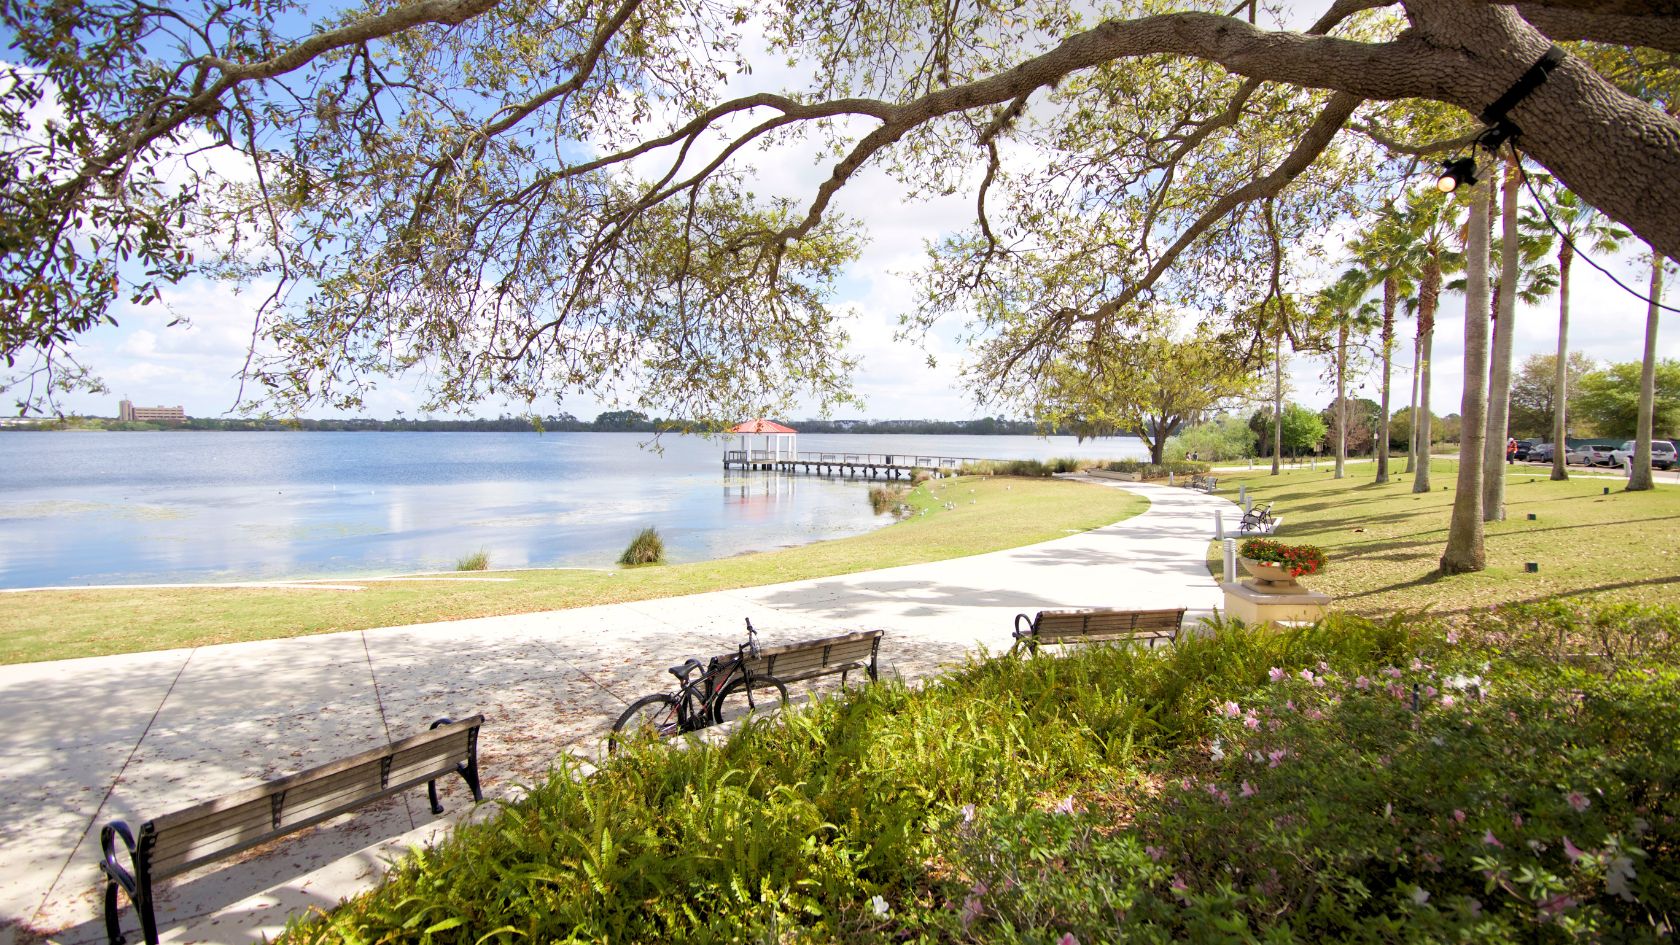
x=138, y=736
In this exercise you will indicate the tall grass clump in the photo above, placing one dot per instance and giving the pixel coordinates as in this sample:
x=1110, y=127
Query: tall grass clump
x=1281, y=785
x=646, y=548
x=886, y=498
x=477, y=561
x=1008, y=467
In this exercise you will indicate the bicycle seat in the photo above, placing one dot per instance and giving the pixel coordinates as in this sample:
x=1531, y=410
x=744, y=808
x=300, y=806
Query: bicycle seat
x=681, y=672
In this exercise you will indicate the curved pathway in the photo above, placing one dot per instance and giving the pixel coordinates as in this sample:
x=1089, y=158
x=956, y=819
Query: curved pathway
x=90, y=740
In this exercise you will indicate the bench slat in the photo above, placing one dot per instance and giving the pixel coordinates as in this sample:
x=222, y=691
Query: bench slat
x=796, y=662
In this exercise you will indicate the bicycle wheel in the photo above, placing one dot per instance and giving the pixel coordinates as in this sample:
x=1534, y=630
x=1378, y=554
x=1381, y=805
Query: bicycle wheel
x=739, y=700
x=650, y=715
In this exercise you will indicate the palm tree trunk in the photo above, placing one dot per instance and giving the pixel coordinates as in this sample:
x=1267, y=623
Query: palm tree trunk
x=1499, y=367
x=1341, y=400
x=1412, y=440
x=1640, y=478
x=1390, y=291
x=1560, y=379
x=1429, y=293
x=1465, y=549
x=1277, y=410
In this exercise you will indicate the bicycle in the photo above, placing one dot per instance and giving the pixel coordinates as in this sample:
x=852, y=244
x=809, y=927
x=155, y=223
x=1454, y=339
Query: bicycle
x=719, y=694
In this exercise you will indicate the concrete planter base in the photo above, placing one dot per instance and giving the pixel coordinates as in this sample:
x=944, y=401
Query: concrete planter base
x=1110, y=474
x=1255, y=606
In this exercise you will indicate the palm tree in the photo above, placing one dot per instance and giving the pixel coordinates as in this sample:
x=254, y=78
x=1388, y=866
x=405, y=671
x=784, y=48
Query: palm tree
x=1390, y=257
x=1431, y=220
x=1521, y=279
x=1465, y=549
x=1337, y=302
x=1639, y=477
x=1583, y=227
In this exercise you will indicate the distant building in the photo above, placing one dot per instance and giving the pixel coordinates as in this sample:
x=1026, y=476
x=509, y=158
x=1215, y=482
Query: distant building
x=128, y=413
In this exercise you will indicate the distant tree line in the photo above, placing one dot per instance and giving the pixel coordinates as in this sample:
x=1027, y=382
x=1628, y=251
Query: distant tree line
x=612, y=421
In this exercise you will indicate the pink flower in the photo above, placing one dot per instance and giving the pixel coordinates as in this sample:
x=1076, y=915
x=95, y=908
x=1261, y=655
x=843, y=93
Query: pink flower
x=1252, y=722
x=1307, y=674
x=1430, y=692
x=1276, y=674
x=1155, y=853
x=1448, y=702
x=1290, y=705
x=1452, y=636
x=1392, y=673
x=1578, y=801
x=1232, y=710
x=1318, y=682
x=1571, y=850
x=1395, y=691
x=1557, y=905
x=1516, y=821
x=1417, y=666
x=1277, y=756
x=1323, y=667
x=1491, y=840
x=1362, y=683
x=1179, y=886
x=1068, y=938
x=1248, y=790
x=1066, y=806
x=1315, y=715
x=1458, y=815
x=971, y=910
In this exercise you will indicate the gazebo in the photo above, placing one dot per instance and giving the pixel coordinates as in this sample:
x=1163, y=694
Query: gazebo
x=781, y=444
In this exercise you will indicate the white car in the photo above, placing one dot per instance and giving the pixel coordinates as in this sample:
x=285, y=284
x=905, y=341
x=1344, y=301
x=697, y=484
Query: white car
x=1663, y=455
x=1578, y=454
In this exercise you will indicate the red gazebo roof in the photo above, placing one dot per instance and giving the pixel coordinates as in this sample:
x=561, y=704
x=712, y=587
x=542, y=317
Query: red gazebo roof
x=761, y=426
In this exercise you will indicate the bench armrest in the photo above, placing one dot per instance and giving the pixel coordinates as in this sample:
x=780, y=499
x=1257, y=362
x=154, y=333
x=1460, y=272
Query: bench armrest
x=1021, y=634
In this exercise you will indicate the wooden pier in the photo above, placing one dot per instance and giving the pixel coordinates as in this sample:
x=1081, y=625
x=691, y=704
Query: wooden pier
x=857, y=465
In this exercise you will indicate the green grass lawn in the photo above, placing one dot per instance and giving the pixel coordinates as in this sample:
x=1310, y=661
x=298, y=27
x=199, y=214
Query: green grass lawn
x=1384, y=542
x=1005, y=513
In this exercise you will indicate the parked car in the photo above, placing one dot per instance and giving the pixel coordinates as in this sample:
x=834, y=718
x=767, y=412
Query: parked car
x=1525, y=446
x=1578, y=454
x=1540, y=453
x=1663, y=455
x=1601, y=454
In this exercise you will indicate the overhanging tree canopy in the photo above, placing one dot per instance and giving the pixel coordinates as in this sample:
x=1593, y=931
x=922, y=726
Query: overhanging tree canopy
x=531, y=198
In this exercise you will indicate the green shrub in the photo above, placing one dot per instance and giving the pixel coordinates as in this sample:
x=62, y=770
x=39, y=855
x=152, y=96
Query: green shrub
x=1156, y=470
x=1116, y=792
x=1218, y=440
x=645, y=548
x=886, y=498
x=477, y=561
x=1009, y=467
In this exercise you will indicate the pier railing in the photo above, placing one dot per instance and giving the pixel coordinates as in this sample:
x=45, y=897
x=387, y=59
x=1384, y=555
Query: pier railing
x=895, y=460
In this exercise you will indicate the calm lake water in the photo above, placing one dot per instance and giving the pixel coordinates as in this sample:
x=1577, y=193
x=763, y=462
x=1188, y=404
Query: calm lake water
x=182, y=507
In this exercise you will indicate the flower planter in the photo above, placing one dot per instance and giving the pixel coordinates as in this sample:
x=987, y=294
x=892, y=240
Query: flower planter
x=1271, y=577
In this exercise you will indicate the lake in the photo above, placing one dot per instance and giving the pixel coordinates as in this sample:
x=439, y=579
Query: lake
x=186, y=507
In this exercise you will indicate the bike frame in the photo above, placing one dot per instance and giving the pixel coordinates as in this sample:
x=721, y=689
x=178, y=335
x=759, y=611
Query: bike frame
x=696, y=695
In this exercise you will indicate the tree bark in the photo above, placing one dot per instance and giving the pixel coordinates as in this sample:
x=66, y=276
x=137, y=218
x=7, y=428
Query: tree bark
x=1390, y=291
x=1499, y=367
x=1429, y=294
x=1277, y=410
x=1465, y=550
x=1411, y=438
x=1341, y=400
x=1560, y=379
x=1639, y=478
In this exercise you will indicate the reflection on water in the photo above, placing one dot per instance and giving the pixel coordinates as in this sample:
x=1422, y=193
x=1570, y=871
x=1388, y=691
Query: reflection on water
x=106, y=508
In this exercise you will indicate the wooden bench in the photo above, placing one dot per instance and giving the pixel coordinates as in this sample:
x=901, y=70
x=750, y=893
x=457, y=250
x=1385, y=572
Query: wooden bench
x=797, y=662
x=1067, y=627
x=189, y=838
x=1208, y=484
